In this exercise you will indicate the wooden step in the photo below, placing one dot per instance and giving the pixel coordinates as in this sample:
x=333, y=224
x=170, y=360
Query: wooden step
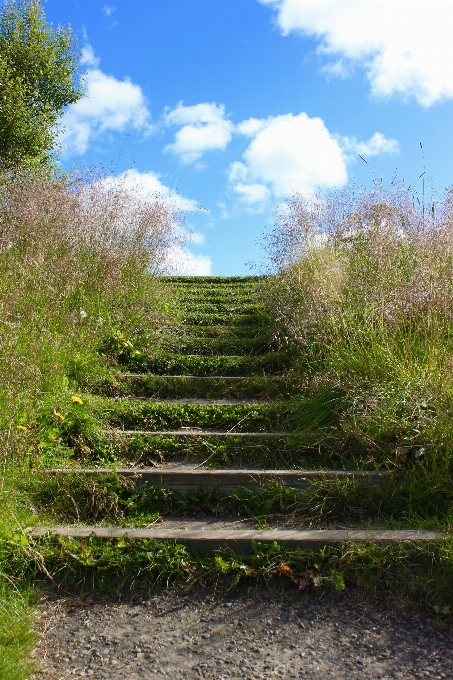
x=201, y=377
x=186, y=480
x=200, y=401
x=240, y=540
x=192, y=432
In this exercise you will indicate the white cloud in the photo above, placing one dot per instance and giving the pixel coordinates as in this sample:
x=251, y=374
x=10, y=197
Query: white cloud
x=182, y=261
x=288, y=150
x=88, y=57
x=291, y=151
x=376, y=145
x=203, y=127
x=253, y=195
x=404, y=47
x=237, y=172
x=250, y=127
x=148, y=184
x=108, y=10
x=196, y=237
x=108, y=105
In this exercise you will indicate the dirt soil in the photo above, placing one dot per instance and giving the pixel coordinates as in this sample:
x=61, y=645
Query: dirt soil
x=261, y=634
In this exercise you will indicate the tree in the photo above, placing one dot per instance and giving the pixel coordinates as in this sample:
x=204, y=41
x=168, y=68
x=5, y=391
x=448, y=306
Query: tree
x=39, y=77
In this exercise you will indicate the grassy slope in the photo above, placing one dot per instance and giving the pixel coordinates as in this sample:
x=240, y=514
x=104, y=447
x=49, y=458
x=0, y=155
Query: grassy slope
x=364, y=399
x=397, y=503
x=69, y=283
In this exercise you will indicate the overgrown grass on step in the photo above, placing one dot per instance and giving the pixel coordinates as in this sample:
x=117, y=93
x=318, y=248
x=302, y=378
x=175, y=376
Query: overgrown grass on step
x=415, y=571
x=107, y=498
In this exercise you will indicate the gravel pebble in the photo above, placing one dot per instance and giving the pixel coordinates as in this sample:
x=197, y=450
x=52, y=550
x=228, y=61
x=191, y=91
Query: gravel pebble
x=250, y=637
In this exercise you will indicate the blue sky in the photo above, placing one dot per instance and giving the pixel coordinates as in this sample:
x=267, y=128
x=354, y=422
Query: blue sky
x=227, y=106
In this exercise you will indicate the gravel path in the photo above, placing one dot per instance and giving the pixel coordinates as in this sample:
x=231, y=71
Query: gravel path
x=258, y=636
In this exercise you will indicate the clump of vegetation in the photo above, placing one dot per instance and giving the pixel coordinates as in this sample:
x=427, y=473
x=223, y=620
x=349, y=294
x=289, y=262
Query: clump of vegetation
x=413, y=570
x=78, y=265
x=363, y=295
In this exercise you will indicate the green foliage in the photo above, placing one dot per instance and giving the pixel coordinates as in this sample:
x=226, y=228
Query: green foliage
x=187, y=364
x=16, y=636
x=203, y=346
x=69, y=279
x=68, y=282
x=219, y=388
x=134, y=414
x=39, y=76
x=418, y=571
x=363, y=295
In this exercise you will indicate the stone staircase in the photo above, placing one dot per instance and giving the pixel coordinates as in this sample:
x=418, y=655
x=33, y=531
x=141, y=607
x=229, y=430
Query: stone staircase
x=213, y=403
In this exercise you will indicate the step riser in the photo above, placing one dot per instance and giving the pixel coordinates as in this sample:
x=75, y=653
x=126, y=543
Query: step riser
x=223, y=331
x=200, y=366
x=227, y=307
x=209, y=387
x=241, y=541
x=224, y=320
x=206, y=347
x=212, y=280
x=213, y=297
x=203, y=435
x=222, y=452
x=226, y=481
x=144, y=415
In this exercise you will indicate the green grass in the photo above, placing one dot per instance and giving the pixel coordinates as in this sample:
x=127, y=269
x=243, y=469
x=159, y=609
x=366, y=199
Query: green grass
x=103, y=499
x=363, y=380
x=195, y=364
x=210, y=281
x=71, y=285
x=17, y=638
x=208, y=296
x=163, y=387
x=202, y=319
x=130, y=414
x=223, y=331
x=203, y=346
x=227, y=307
x=414, y=571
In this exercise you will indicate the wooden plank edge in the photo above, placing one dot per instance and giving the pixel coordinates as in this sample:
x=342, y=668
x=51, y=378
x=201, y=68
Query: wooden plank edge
x=226, y=481
x=241, y=540
x=201, y=377
x=196, y=433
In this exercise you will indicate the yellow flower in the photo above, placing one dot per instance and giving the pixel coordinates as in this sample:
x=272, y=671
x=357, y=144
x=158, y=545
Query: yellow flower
x=76, y=400
x=21, y=427
x=58, y=415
